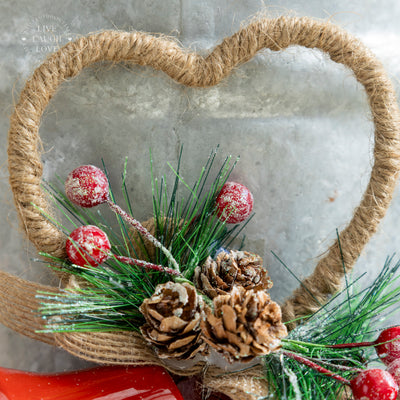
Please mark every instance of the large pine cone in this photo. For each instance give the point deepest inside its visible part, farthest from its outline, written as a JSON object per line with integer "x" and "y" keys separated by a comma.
{"x": 244, "y": 324}
{"x": 173, "y": 315}
{"x": 240, "y": 268}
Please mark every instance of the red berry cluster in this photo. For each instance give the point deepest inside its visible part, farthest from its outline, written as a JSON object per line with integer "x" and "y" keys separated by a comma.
{"x": 87, "y": 186}
{"x": 375, "y": 383}
{"x": 369, "y": 384}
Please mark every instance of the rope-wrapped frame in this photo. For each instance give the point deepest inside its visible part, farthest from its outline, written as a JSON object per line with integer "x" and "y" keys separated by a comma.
{"x": 191, "y": 69}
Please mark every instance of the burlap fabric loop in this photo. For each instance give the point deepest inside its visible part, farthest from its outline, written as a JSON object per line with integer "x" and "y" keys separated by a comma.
{"x": 191, "y": 69}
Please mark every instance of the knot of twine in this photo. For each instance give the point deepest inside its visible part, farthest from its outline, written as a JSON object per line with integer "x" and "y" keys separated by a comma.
{"x": 191, "y": 69}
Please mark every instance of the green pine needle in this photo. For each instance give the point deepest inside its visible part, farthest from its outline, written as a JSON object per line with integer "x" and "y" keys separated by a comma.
{"x": 190, "y": 227}
{"x": 186, "y": 223}
{"x": 111, "y": 294}
{"x": 352, "y": 316}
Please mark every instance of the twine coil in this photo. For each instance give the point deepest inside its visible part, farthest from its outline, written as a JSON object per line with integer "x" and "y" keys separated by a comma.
{"x": 17, "y": 299}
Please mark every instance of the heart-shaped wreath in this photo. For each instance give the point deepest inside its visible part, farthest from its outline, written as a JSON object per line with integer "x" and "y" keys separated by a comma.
{"x": 207, "y": 299}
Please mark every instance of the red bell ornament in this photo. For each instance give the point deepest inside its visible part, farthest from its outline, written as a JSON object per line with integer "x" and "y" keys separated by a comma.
{"x": 103, "y": 383}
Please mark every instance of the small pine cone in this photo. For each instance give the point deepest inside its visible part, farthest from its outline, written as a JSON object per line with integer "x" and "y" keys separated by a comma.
{"x": 240, "y": 268}
{"x": 244, "y": 324}
{"x": 173, "y": 315}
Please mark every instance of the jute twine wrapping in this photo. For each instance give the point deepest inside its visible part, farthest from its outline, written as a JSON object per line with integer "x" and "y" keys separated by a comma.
{"x": 17, "y": 297}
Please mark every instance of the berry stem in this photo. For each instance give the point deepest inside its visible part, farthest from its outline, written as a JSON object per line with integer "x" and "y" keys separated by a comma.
{"x": 351, "y": 345}
{"x": 315, "y": 367}
{"x": 336, "y": 346}
{"x": 143, "y": 231}
{"x": 337, "y": 366}
{"x": 145, "y": 264}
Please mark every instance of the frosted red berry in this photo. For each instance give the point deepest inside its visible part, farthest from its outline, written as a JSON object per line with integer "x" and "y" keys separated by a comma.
{"x": 374, "y": 384}
{"x": 234, "y": 203}
{"x": 390, "y": 351}
{"x": 88, "y": 245}
{"x": 394, "y": 370}
{"x": 87, "y": 186}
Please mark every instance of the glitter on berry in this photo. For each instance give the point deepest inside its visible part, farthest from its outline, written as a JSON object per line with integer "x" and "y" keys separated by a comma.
{"x": 88, "y": 245}
{"x": 234, "y": 203}
{"x": 87, "y": 186}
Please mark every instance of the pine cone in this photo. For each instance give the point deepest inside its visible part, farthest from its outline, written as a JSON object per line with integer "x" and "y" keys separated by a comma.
{"x": 240, "y": 268}
{"x": 244, "y": 324}
{"x": 173, "y": 316}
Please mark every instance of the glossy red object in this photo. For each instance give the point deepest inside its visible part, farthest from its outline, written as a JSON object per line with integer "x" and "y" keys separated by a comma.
{"x": 103, "y": 383}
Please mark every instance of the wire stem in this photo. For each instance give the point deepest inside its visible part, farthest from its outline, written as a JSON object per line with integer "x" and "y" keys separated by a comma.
{"x": 315, "y": 367}
{"x": 337, "y": 366}
{"x": 351, "y": 345}
{"x": 144, "y": 232}
{"x": 145, "y": 264}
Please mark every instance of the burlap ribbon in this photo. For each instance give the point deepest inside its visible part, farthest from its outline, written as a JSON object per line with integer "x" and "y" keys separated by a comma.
{"x": 17, "y": 297}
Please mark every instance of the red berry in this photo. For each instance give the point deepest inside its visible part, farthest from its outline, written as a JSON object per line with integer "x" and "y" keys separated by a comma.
{"x": 87, "y": 186}
{"x": 88, "y": 245}
{"x": 394, "y": 370}
{"x": 388, "y": 352}
{"x": 234, "y": 203}
{"x": 374, "y": 384}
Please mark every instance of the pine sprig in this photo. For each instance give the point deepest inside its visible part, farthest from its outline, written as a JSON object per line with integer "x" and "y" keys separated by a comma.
{"x": 109, "y": 295}
{"x": 351, "y": 316}
{"x": 190, "y": 227}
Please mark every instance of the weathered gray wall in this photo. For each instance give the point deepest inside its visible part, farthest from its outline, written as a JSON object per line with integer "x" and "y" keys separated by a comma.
{"x": 299, "y": 122}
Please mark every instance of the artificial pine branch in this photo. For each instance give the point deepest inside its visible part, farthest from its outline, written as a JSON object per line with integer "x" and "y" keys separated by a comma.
{"x": 351, "y": 316}
{"x": 114, "y": 291}
{"x": 188, "y": 231}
